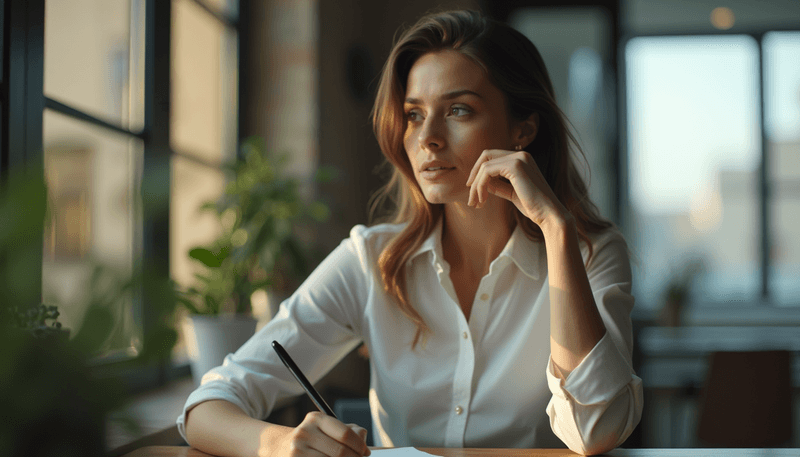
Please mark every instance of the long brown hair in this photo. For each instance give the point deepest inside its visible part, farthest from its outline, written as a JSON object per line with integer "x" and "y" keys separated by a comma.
{"x": 515, "y": 66}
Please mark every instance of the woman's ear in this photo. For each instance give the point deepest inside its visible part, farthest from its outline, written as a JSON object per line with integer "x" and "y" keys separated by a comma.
{"x": 528, "y": 130}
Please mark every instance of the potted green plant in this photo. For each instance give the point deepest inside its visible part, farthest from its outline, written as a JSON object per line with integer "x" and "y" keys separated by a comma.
{"x": 56, "y": 398}
{"x": 677, "y": 290}
{"x": 259, "y": 248}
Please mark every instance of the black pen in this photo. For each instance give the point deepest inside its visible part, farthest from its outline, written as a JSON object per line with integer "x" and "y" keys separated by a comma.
{"x": 301, "y": 378}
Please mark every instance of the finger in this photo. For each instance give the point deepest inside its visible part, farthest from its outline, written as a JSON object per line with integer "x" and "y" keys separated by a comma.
{"x": 486, "y": 155}
{"x": 362, "y": 432}
{"x": 329, "y": 447}
{"x": 308, "y": 440}
{"x": 305, "y": 449}
{"x": 502, "y": 189}
{"x": 343, "y": 434}
{"x": 489, "y": 171}
{"x": 474, "y": 180}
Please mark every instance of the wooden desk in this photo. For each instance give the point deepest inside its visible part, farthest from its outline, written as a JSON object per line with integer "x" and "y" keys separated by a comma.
{"x": 177, "y": 451}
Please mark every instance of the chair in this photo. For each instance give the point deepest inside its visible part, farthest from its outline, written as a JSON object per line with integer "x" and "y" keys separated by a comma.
{"x": 746, "y": 401}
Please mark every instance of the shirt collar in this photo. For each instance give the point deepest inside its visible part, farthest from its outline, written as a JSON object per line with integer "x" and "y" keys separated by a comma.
{"x": 433, "y": 244}
{"x": 523, "y": 251}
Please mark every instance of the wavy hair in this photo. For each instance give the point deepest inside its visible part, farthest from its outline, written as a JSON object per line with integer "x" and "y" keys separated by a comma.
{"x": 515, "y": 66}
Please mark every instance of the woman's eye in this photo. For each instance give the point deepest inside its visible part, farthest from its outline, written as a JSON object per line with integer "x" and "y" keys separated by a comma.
{"x": 459, "y": 111}
{"x": 412, "y": 116}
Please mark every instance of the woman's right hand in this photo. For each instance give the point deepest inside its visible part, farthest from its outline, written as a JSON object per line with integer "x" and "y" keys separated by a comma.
{"x": 322, "y": 435}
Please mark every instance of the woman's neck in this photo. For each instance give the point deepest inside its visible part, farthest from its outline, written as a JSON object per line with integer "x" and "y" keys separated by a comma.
{"x": 472, "y": 238}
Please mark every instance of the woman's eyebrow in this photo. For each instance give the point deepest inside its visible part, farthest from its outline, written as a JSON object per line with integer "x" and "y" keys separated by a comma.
{"x": 447, "y": 96}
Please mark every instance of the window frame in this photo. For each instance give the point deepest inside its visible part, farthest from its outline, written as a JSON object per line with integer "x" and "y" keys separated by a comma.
{"x": 764, "y": 187}
{"x": 22, "y": 106}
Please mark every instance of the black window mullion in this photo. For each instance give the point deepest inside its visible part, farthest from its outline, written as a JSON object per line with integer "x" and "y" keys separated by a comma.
{"x": 243, "y": 50}
{"x": 155, "y": 184}
{"x": 24, "y": 83}
{"x": 764, "y": 194}
{"x": 34, "y": 80}
{"x": 23, "y": 103}
{"x": 196, "y": 159}
{"x": 74, "y": 113}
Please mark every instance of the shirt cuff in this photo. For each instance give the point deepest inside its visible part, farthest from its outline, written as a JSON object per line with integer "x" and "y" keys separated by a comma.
{"x": 597, "y": 379}
{"x": 203, "y": 395}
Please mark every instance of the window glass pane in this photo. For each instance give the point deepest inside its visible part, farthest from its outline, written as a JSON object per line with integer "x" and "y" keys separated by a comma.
{"x": 91, "y": 180}
{"x": 782, "y": 125}
{"x": 92, "y": 57}
{"x": 192, "y": 185}
{"x": 203, "y": 84}
{"x": 694, "y": 152}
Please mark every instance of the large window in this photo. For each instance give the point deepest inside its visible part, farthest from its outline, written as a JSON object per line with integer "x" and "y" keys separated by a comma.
{"x": 782, "y": 129}
{"x": 696, "y": 148}
{"x": 203, "y": 124}
{"x": 135, "y": 90}
{"x": 93, "y": 65}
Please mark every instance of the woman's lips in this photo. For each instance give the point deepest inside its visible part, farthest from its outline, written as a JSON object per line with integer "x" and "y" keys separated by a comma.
{"x": 434, "y": 174}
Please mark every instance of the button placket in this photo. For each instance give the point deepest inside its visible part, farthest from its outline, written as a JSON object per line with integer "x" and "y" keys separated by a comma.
{"x": 480, "y": 312}
{"x": 462, "y": 389}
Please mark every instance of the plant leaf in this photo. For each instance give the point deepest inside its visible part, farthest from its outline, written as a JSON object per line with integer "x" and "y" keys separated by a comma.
{"x": 189, "y": 305}
{"x": 212, "y": 304}
{"x": 206, "y": 257}
{"x": 208, "y": 206}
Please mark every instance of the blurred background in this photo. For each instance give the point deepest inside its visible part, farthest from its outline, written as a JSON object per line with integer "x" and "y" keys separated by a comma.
{"x": 688, "y": 113}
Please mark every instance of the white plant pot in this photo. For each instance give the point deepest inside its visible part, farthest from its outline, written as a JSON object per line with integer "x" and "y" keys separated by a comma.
{"x": 210, "y": 338}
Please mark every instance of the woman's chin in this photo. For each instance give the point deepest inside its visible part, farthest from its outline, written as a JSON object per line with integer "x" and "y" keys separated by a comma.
{"x": 437, "y": 198}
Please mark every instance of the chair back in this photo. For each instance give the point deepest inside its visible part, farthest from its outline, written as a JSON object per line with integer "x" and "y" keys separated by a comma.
{"x": 355, "y": 411}
{"x": 746, "y": 401}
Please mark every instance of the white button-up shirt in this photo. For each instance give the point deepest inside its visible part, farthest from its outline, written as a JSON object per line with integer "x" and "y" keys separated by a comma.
{"x": 486, "y": 381}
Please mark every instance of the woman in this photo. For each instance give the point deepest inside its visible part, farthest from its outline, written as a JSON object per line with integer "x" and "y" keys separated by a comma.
{"x": 496, "y": 307}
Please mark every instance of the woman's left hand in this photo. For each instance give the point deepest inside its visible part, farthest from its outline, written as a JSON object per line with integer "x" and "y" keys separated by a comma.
{"x": 514, "y": 175}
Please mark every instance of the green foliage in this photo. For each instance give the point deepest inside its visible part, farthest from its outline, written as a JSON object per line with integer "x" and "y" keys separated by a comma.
{"x": 258, "y": 247}
{"x": 35, "y": 320}
{"x": 53, "y": 400}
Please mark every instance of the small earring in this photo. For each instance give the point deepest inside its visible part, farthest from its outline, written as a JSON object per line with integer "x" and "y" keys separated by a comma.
{"x": 518, "y": 147}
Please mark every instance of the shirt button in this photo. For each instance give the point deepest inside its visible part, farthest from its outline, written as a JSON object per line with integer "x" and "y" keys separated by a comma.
{"x": 459, "y": 410}
{"x": 465, "y": 335}
{"x": 484, "y": 297}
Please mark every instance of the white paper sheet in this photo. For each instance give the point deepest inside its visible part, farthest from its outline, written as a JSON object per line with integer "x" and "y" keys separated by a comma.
{"x": 399, "y": 452}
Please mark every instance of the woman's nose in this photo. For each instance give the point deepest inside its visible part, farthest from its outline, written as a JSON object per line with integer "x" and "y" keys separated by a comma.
{"x": 432, "y": 136}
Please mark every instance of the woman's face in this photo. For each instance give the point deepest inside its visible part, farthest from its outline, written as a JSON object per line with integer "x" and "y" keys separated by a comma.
{"x": 453, "y": 113}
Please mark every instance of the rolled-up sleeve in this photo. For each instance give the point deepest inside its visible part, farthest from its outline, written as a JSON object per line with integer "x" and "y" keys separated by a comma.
{"x": 600, "y": 403}
{"x": 318, "y": 325}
